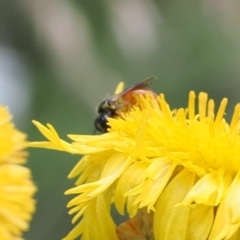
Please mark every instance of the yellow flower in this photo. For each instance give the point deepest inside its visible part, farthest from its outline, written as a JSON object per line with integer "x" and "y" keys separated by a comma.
{"x": 182, "y": 166}
{"x": 16, "y": 187}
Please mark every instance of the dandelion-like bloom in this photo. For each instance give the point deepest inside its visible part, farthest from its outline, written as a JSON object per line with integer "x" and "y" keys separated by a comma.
{"x": 180, "y": 169}
{"x": 16, "y": 187}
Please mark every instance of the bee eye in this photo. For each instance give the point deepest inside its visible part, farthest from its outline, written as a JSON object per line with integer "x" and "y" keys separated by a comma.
{"x": 101, "y": 123}
{"x": 101, "y": 120}
{"x": 108, "y": 103}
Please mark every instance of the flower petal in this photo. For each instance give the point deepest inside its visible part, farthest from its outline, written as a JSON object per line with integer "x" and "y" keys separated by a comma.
{"x": 157, "y": 176}
{"x": 209, "y": 189}
{"x": 171, "y": 222}
{"x": 227, "y": 218}
{"x": 131, "y": 177}
{"x": 200, "y": 222}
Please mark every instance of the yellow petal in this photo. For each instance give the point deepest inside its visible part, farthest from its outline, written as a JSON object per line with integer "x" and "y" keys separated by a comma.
{"x": 107, "y": 227}
{"x": 235, "y": 236}
{"x": 227, "y": 219}
{"x": 200, "y": 222}
{"x": 171, "y": 222}
{"x": 119, "y": 88}
{"x": 129, "y": 179}
{"x": 209, "y": 189}
{"x": 158, "y": 174}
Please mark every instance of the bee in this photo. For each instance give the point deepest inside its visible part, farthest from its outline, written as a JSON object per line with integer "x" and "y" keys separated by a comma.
{"x": 113, "y": 106}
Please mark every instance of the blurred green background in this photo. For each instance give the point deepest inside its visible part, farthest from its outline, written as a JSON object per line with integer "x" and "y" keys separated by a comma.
{"x": 58, "y": 59}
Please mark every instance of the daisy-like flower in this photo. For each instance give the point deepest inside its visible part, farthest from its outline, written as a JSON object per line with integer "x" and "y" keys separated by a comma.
{"x": 176, "y": 173}
{"x": 16, "y": 187}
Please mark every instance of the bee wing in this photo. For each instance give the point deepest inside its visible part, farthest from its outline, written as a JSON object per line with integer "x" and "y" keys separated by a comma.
{"x": 141, "y": 85}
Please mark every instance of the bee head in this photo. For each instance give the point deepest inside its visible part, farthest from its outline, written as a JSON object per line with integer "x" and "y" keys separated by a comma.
{"x": 100, "y": 122}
